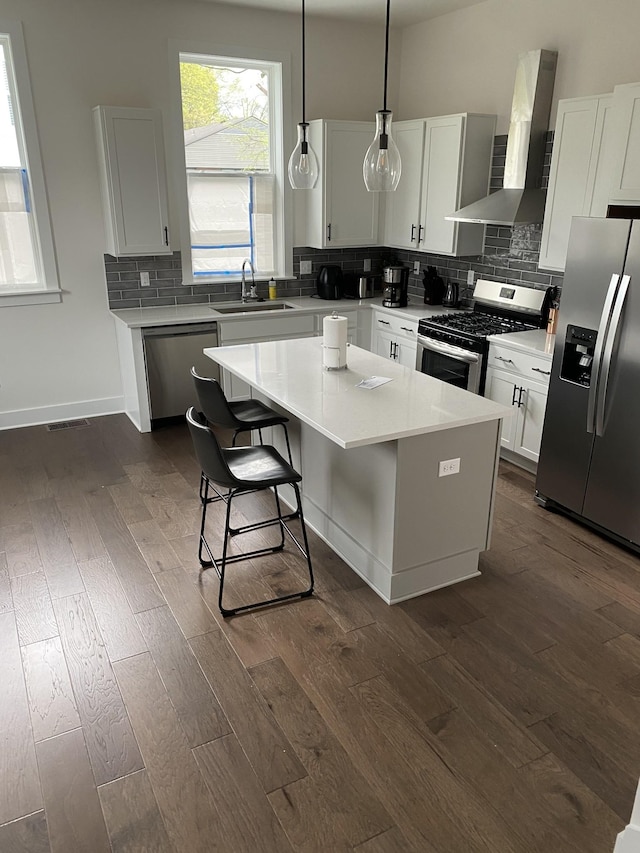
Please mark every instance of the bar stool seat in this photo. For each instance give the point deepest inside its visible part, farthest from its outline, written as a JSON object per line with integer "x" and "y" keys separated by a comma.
{"x": 241, "y": 470}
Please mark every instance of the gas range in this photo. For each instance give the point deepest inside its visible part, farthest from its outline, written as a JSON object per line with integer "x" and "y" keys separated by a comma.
{"x": 471, "y": 328}
{"x": 453, "y": 347}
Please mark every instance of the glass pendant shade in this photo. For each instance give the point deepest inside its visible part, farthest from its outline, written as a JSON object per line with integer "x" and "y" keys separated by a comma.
{"x": 382, "y": 165}
{"x": 303, "y": 163}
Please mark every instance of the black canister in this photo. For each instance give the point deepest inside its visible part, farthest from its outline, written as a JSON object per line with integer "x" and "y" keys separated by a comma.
{"x": 433, "y": 287}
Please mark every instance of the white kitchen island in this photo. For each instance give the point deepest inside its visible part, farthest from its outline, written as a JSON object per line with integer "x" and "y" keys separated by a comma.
{"x": 371, "y": 461}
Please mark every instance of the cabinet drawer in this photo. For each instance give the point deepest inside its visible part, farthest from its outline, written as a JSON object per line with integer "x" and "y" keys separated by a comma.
{"x": 266, "y": 328}
{"x": 523, "y": 364}
{"x": 399, "y": 326}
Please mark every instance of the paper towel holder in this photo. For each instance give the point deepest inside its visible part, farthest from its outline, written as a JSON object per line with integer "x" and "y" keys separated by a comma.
{"x": 334, "y": 354}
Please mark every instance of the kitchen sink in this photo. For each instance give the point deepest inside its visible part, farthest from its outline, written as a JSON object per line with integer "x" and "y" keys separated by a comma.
{"x": 242, "y": 307}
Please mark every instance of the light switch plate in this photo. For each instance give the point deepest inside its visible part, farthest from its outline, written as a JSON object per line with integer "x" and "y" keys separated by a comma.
{"x": 144, "y": 279}
{"x": 366, "y": 265}
{"x": 306, "y": 267}
{"x": 416, "y": 267}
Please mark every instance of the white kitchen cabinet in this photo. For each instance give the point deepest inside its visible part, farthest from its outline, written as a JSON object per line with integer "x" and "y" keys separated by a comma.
{"x": 394, "y": 338}
{"x": 581, "y": 172}
{"x": 446, "y": 164}
{"x": 625, "y": 181}
{"x": 520, "y": 380}
{"x": 257, "y": 329}
{"x": 133, "y": 182}
{"x": 339, "y": 209}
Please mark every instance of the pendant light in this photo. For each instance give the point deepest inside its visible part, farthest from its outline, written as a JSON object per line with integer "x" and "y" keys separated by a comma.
{"x": 382, "y": 166}
{"x": 303, "y": 163}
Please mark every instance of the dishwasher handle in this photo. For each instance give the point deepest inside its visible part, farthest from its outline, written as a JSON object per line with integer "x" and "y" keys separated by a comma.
{"x": 173, "y": 331}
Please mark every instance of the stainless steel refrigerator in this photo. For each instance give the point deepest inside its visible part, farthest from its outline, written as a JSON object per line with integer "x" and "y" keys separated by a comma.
{"x": 589, "y": 463}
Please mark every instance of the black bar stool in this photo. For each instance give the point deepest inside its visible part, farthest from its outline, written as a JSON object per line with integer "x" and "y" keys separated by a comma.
{"x": 241, "y": 470}
{"x": 237, "y": 415}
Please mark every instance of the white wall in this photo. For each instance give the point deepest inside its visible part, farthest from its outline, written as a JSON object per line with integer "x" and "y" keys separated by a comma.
{"x": 465, "y": 61}
{"x": 60, "y": 361}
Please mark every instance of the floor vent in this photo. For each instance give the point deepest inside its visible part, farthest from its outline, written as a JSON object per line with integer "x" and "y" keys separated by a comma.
{"x": 81, "y": 422}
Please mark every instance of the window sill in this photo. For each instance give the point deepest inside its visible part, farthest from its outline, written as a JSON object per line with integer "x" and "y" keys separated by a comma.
{"x": 29, "y": 297}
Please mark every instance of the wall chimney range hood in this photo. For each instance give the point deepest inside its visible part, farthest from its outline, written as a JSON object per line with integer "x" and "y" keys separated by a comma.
{"x": 521, "y": 200}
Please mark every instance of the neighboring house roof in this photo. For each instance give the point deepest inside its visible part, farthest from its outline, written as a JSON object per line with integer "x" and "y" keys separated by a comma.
{"x": 229, "y": 145}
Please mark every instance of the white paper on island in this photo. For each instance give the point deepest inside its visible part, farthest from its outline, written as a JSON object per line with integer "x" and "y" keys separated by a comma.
{"x": 373, "y": 382}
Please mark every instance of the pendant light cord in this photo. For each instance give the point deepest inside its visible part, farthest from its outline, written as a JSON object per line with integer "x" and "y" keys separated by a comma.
{"x": 386, "y": 52}
{"x": 304, "y": 70}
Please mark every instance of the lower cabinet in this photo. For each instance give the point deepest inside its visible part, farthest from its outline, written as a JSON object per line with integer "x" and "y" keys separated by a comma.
{"x": 394, "y": 338}
{"x": 520, "y": 380}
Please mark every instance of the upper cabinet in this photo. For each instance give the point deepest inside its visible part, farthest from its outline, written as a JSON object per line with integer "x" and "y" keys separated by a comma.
{"x": 133, "y": 182}
{"x": 625, "y": 179}
{"x": 339, "y": 209}
{"x": 446, "y": 164}
{"x": 581, "y": 172}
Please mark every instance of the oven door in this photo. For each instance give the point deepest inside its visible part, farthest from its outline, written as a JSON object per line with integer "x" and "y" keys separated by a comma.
{"x": 450, "y": 364}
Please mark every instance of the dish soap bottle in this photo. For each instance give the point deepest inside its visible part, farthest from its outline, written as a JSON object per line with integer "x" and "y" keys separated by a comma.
{"x": 272, "y": 288}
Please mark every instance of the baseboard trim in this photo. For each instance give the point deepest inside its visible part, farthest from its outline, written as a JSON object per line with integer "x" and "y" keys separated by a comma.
{"x": 63, "y": 412}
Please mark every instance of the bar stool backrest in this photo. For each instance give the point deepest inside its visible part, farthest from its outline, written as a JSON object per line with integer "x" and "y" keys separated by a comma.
{"x": 213, "y": 403}
{"x": 208, "y": 451}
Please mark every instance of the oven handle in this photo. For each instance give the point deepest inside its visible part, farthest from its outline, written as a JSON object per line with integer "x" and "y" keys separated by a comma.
{"x": 450, "y": 351}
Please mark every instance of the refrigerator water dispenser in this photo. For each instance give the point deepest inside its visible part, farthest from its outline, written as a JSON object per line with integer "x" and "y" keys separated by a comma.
{"x": 577, "y": 357}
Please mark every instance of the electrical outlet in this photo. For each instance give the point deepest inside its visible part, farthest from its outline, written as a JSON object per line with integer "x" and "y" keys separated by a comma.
{"x": 470, "y": 275}
{"x": 144, "y": 279}
{"x": 416, "y": 267}
{"x": 306, "y": 267}
{"x": 366, "y": 265}
{"x": 449, "y": 466}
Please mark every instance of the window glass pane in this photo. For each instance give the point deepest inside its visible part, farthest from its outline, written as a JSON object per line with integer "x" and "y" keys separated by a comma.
{"x": 231, "y": 218}
{"x": 19, "y": 252}
{"x": 228, "y": 156}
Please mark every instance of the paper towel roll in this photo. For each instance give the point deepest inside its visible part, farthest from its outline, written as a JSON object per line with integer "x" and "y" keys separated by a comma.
{"x": 334, "y": 342}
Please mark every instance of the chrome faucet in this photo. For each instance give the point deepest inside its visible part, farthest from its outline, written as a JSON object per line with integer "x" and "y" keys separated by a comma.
{"x": 248, "y": 297}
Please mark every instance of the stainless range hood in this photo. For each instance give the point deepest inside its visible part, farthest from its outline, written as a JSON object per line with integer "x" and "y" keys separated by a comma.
{"x": 521, "y": 200}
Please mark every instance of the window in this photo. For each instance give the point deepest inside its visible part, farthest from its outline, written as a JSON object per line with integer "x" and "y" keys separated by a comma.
{"x": 232, "y": 120}
{"x": 27, "y": 266}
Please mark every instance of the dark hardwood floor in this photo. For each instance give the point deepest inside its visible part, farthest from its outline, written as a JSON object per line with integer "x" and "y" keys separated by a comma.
{"x": 498, "y": 715}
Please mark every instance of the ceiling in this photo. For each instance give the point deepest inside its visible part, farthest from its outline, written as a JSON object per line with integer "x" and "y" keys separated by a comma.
{"x": 403, "y": 12}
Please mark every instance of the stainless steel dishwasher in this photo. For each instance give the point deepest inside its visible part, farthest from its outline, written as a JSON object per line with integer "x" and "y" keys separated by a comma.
{"x": 170, "y": 353}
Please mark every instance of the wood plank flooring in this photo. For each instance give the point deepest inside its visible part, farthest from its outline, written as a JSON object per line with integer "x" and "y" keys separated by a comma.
{"x": 496, "y": 716}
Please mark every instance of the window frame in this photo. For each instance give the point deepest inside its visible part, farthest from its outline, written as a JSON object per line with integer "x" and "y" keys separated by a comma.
{"x": 279, "y": 105}
{"x": 49, "y": 291}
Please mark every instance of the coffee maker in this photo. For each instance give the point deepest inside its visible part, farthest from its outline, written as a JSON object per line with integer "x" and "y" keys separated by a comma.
{"x": 396, "y": 282}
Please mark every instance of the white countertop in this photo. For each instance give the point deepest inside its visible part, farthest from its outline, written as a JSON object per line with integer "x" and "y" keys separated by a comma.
{"x": 536, "y": 341}
{"x": 170, "y": 315}
{"x": 291, "y": 374}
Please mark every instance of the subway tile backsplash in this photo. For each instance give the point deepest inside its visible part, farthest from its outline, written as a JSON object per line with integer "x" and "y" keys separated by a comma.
{"x": 510, "y": 255}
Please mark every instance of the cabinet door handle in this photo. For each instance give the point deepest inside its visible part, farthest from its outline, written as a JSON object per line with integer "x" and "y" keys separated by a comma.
{"x": 506, "y": 360}
{"x": 329, "y": 231}
{"x": 166, "y": 236}
{"x": 539, "y": 370}
{"x": 395, "y": 351}
{"x": 420, "y": 234}
{"x": 520, "y": 398}
{"x": 513, "y": 396}
{"x": 384, "y": 322}
{"x": 413, "y": 233}
{"x": 390, "y": 349}
{"x": 407, "y": 329}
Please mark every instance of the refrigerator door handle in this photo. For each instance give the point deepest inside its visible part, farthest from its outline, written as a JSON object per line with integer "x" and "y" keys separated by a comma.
{"x": 605, "y": 319}
{"x": 608, "y": 352}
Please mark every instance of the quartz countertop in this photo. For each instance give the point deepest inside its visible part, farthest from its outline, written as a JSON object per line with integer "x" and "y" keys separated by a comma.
{"x": 170, "y": 315}
{"x": 290, "y": 373}
{"x": 536, "y": 341}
